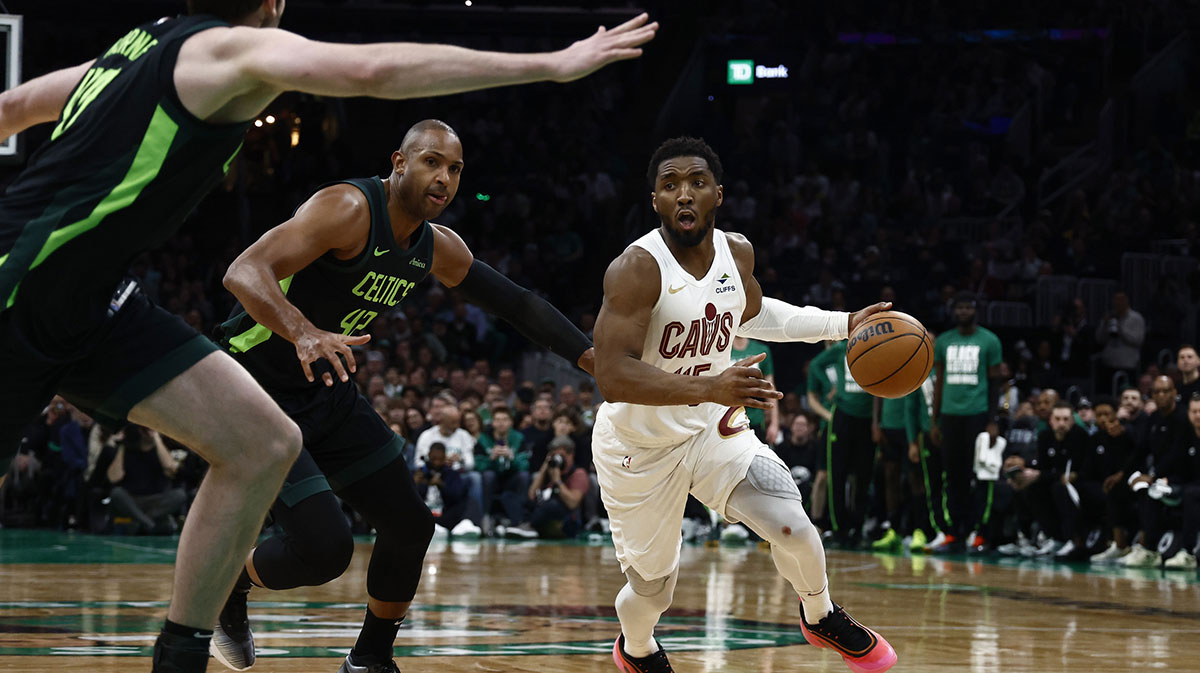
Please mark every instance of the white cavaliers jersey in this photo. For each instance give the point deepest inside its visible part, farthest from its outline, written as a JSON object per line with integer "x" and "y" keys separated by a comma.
{"x": 691, "y": 332}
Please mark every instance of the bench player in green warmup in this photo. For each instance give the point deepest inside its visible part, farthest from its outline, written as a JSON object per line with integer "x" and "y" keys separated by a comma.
{"x": 143, "y": 133}
{"x": 849, "y": 453}
{"x": 964, "y": 359}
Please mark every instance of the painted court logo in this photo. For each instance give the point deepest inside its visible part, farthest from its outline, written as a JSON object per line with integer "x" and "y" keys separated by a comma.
{"x": 627, "y": 462}
{"x": 326, "y": 630}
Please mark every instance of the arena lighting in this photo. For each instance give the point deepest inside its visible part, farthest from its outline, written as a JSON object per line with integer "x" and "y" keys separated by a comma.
{"x": 258, "y": 123}
{"x": 270, "y": 119}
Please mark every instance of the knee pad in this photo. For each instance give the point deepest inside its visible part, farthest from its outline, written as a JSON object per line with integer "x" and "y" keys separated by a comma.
{"x": 771, "y": 478}
{"x": 649, "y": 588}
{"x": 327, "y": 557}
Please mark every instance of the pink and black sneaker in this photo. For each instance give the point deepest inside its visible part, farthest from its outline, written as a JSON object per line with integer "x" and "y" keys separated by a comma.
{"x": 863, "y": 650}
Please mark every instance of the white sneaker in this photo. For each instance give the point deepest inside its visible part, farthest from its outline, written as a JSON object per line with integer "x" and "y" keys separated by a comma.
{"x": 1182, "y": 560}
{"x": 440, "y": 531}
{"x": 1140, "y": 557}
{"x": 1048, "y": 547}
{"x": 1110, "y": 555}
{"x": 936, "y": 542}
{"x": 1065, "y": 550}
{"x": 735, "y": 533}
{"x": 466, "y": 529}
{"x": 525, "y": 531}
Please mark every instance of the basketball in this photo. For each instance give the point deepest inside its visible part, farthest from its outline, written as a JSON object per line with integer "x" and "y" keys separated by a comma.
{"x": 890, "y": 354}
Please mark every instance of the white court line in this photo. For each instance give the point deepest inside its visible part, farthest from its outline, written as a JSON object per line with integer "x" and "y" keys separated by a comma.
{"x": 138, "y": 547}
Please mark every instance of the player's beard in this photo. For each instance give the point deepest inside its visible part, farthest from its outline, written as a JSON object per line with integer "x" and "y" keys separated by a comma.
{"x": 690, "y": 239}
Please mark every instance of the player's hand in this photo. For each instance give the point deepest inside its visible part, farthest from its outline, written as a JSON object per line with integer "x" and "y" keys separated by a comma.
{"x": 935, "y": 434}
{"x": 1112, "y": 480}
{"x": 914, "y": 453}
{"x": 319, "y": 344}
{"x": 773, "y": 433}
{"x": 587, "y": 361}
{"x": 603, "y": 47}
{"x": 859, "y": 316}
{"x": 743, "y": 385}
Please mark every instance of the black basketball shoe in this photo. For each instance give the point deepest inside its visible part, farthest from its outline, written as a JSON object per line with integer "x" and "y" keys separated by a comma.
{"x": 349, "y": 666}
{"x": 655, "y": 663}
{"x": 232, "y": 642}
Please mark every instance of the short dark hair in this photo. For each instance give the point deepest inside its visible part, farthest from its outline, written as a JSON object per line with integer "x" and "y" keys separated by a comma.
{"x": 684, "y": 147}
{"x": 502, "y": 410}
{"x": 1062, "y": 404}
{"x": 965, "y": 297}
{"x": 228, "y": 10}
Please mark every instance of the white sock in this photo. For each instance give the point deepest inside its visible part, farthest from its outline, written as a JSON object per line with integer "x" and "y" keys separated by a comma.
{"x": 817, "y": 606}
{"x": 639, "y": 614}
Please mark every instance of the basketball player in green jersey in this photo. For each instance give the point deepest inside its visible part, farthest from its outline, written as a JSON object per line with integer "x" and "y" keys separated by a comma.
{"x": 142, "y": 133}
{"x": 849, "y": 453}
{"x": 307, "y": 289}
{"x": 964, "y": 359}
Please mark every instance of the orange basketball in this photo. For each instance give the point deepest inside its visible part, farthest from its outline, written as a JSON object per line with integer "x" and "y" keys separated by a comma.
{"x": 890, "y": 354}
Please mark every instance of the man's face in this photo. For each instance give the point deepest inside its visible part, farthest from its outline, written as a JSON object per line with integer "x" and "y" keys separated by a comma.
{"x": 801, "y": 430}
{"x": 686, "y": 197}
{"x": 1187, "y": 360}
{"x": 964, "y": 313}
{"x": 1061, "y": 420}
{"x": 450, "y": 417}
{"x": 501, "y": 424}
{"x": 563, "y": 426}
{"x": 1105, "y": 414}
{"x": 541, "y": 410}
{"x": 507, "y": 380}
{"x": 1045, "y": 403}
{"x": 1163, "y": 391}
{"x": 1132, "y": 401}
{"x": 430, "y": 167}
{"x": 1194, "y": 415}
{"x": 494, "y": 394}
{"x": 1087, "y": 415}
{"x": 1120, "y": 303}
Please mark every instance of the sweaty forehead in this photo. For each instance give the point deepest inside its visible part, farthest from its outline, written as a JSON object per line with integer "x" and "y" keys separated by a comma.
{"x": 683, "y": 166}
{"x": 439, "y": 141}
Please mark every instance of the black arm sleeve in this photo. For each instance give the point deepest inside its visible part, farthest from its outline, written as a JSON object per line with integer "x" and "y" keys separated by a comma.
{"x": 540, "y": 322}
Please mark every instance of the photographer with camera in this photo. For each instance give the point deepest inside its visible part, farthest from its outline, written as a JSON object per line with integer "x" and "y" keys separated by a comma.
{"x": 505, "y": 468}
{"x": 557, "y": 492}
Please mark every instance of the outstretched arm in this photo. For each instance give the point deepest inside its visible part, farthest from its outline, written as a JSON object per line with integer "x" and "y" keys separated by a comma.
{"x": 480, "y": 284}
{"x": 631, "y": 287}
{"x": 768, "y": 319}
{"x": 38, "y": 101}
{"x": 220, "y": 65}
{"x": 336, "y": 218}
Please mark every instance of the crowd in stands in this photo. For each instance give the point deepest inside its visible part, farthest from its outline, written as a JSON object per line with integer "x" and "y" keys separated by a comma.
{"x": 851, "y": 186}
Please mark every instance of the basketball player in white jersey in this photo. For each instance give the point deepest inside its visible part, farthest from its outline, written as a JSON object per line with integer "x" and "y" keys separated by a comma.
{"x": 675, "y": 421}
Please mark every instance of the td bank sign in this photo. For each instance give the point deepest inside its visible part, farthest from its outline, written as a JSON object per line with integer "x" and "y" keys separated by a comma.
{"x": 745, "y": 72}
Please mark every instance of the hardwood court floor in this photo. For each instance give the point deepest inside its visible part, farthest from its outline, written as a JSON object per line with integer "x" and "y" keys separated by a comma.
{"x": 83, "y": 603}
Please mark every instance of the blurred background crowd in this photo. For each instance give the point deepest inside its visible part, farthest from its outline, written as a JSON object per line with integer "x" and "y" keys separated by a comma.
{"x": 1040, "y": 159}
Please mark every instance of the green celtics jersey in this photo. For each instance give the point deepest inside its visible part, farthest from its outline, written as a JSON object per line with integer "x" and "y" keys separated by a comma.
{"x": 848, "y": 396}
{"x": 125, "y": 164}
{"x": 343, "y": 296}
{"x": 756, "y": 417}
{"x": 967, "y": 358}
